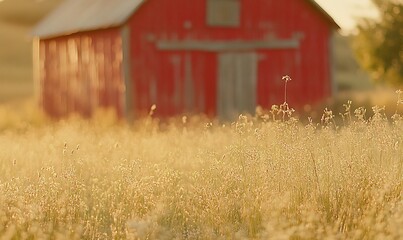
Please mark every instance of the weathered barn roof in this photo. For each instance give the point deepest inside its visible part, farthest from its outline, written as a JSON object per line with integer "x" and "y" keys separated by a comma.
{"x": 74, "y": 16}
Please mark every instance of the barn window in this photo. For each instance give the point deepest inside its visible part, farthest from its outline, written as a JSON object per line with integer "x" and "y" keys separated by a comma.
{"x": 225, "y": 13}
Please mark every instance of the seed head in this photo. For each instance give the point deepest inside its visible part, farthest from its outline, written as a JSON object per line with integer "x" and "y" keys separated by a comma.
{"x": 152, "y": 109}
{"x": 286, "y": 78}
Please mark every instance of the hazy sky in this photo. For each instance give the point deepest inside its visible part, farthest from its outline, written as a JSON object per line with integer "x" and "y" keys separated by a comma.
{"x": 345, "y": 12}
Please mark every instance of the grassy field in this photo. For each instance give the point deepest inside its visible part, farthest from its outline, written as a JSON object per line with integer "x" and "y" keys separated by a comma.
{"x": 256, "y": 178}
{"x": 260, "y": 177}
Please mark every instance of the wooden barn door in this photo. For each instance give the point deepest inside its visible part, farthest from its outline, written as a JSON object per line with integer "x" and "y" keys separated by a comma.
{"x": 237, "y": 77}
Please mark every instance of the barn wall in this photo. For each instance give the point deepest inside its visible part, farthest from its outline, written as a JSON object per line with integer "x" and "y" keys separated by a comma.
{"x": 160, "y": 76}
{"x": 81, "y": 72}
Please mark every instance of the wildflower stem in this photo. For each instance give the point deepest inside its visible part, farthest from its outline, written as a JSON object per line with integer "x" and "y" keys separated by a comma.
{"x": 285, "y": 91}
{"x": 316, "y": 173}
{"x": 286, "y": 78}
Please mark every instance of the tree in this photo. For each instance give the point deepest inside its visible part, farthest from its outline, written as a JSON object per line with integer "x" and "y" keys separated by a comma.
{"x": 379, "y": 42}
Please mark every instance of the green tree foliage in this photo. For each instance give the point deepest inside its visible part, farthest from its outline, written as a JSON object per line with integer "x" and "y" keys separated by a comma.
{"x": 379, "y": 43}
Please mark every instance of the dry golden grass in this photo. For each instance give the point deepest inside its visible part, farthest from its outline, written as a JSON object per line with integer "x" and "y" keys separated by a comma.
{"x": 253, "y": 179}
{"x": 190, "y": 179}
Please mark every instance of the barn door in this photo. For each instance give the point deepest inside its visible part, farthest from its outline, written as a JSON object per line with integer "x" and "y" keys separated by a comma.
{"x": 237, "y": 77}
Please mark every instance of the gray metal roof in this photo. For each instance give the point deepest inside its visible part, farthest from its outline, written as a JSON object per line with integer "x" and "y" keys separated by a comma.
{"x": 73, "y": 16}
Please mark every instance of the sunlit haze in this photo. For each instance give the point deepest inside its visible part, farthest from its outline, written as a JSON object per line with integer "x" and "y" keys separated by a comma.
{"x": 346, "y": 12}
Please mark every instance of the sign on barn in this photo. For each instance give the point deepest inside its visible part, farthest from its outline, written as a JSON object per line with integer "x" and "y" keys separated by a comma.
{"x": 218, "y": 57}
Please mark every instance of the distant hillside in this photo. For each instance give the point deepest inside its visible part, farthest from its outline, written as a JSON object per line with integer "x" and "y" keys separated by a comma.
{"x": 25, "y": 12}
{"x": 17, "y": 17}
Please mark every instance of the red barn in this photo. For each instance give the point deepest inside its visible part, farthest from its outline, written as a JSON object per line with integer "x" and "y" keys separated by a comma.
{"x": 218, "y": 57}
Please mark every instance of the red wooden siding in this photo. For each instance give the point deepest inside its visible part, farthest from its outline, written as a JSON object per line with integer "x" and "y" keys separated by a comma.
{"x": 81, "y": 72}
{"x": 167, "y": 53}
{"x": 155, "y": 70}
